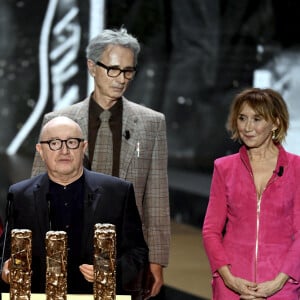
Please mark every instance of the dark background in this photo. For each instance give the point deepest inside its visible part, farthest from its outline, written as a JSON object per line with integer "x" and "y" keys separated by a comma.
{"x": 196, "y": 55}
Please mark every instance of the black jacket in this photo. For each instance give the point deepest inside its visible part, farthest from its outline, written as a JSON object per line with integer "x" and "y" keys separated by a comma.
{"x": 107, "y": 200}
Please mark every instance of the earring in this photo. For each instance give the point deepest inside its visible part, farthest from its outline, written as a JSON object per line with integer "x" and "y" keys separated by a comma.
{"x": 273, "y": 134}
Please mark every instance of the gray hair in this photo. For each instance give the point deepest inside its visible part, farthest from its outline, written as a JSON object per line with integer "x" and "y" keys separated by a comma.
{"x": 107, "y": 37}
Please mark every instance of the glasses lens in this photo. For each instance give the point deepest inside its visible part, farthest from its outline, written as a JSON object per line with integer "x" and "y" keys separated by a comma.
{"x": 113, "y": 72}
{"x": 55, "y": 144}
{"x": 129, "y": 74}
{"x": 72, "y": 143}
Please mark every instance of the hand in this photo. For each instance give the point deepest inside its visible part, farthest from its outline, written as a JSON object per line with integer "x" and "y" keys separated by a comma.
{"x": 271, "y": 287}
{"x": 5, "y": 271}
{"x": 246, "y": 289}
{"x": 251, "y": 297}
{"x": 87, "y": 271}
{"x": 157, "y": 272}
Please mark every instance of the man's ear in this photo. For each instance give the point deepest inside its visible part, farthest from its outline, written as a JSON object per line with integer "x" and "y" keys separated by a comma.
{"x": 91, "y": 67}
{"x": 39, "y": 149}
{"x": 85, "y": 145}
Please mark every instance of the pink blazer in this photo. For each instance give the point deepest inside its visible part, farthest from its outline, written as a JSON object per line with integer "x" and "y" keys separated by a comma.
{"x": 256, "y": 245}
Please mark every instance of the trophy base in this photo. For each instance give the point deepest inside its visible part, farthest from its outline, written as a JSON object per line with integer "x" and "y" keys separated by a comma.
{"x": 5, "y": 296}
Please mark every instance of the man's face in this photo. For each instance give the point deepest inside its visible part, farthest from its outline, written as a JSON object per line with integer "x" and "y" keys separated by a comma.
{"x": 64, "y": 164}
{"x": 109, "y": 89}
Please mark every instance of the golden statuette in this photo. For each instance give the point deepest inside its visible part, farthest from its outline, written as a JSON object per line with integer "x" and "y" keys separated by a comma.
{"x": 104, "y": 262}
{"x": 20, "y": 268}
{"x": 56, "y": 258}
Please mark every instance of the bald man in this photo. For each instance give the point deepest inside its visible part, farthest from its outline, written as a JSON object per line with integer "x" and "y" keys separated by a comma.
{"x": 78, "y": 199}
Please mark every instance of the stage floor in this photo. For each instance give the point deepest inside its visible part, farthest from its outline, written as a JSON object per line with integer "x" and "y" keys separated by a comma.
{"x": 188, "y": 270}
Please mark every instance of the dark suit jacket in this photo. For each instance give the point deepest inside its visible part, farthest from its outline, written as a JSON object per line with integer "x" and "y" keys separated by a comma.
{"x": 107, "y": 200}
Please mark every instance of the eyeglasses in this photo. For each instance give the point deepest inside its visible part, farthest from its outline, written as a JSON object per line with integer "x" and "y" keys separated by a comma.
{"x": 115, "y": 71}
{"x": 57, "y": 144}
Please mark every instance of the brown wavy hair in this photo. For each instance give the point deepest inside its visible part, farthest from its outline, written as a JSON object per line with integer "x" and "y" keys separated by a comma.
{"x": 265, "y": 102}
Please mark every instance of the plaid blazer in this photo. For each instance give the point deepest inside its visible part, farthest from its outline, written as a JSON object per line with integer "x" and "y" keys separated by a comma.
{"x": 143, "y": 161}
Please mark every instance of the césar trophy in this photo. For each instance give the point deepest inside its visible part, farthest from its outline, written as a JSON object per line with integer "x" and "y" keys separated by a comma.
{"x": 104, "y": 262}
{"x": 56, "y": 272}
{"x": 20, "y": 268}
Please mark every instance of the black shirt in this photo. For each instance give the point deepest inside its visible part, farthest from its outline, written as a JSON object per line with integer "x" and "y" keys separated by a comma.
{"x": 66, "y": 214}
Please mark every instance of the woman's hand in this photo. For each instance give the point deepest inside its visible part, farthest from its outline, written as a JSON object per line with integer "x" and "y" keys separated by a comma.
{"x": 246, "y": 289}
{"x": 271, "y": 287}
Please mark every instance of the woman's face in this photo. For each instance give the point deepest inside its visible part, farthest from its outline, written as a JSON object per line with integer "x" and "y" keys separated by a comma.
{"x": 253, "y": 129}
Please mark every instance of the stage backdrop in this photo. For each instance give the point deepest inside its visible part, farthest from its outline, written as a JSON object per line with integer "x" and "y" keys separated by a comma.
{"x": 196, "y": 55}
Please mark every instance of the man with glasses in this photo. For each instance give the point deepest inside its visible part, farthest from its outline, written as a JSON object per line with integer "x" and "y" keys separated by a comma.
{"x": 70, "y": 198}
{"x": 139, "y": 147}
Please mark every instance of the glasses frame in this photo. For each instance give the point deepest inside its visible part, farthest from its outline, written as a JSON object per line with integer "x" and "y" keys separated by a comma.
{"x": 131, "y": 71}
{"x": 79, "y": 140}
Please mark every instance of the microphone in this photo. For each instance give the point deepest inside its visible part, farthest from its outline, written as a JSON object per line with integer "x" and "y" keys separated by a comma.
{"x": 10, "y": 198}
{"x": 280, "y": 172}
{"x": 48, "y": 199}
{"x": 127, "y": 134}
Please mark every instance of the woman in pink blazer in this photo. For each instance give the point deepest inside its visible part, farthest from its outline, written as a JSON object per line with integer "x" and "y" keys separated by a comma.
{"x": 251, "y": 231}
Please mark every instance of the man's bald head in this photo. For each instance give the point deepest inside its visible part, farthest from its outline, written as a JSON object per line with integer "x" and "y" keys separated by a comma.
{"x": 60, "y": 122}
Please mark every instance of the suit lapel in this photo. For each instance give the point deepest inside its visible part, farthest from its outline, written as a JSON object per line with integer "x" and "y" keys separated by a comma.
{"x": 128, "y": 146}
{"x": 93, "y": 194}
{"x": 82, "y": 116}
{"x": 40, "y": 191}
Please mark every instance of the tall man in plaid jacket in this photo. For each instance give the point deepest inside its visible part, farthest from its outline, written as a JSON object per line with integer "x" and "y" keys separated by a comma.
{"x": 138, "y": 134}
